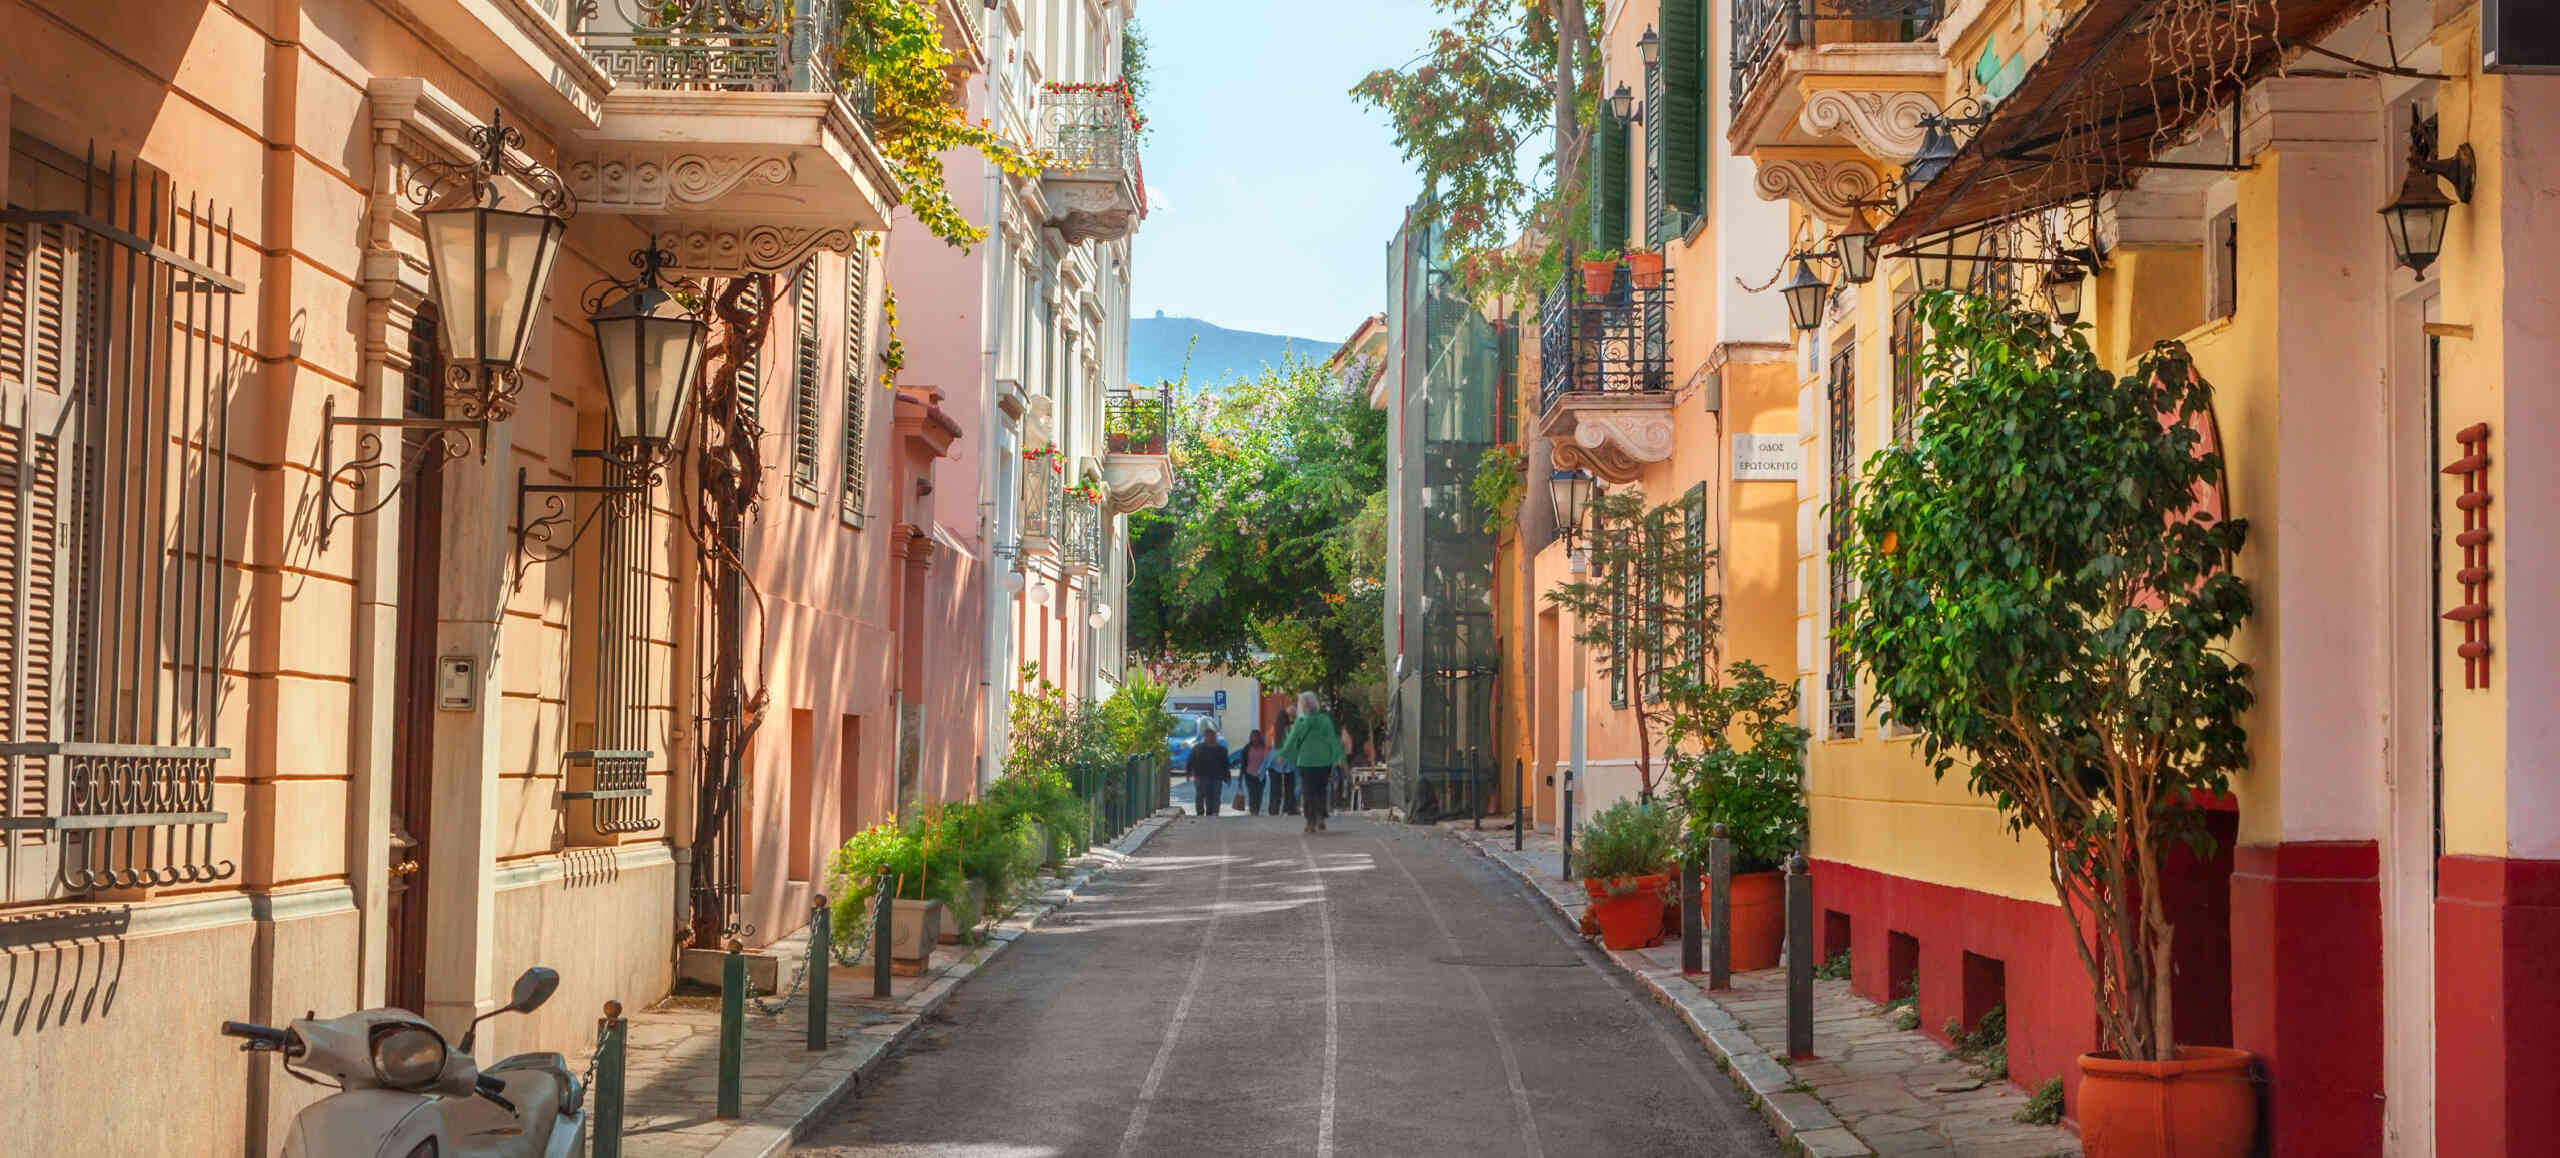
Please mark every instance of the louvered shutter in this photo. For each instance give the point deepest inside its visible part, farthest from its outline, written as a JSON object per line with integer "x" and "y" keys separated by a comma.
{"x": 1617, "y": 580}
{"x": 857, "y": 388}
{"x": 1657, "y": 216}
{"x": 1696, "y": 616}
{"x": 37, "y": 438}
{"x": 1613, "y": 180}
{"x": 751, "y": 366}
{"x": 1676, "y": 113}
{"x": 804, "y": 383}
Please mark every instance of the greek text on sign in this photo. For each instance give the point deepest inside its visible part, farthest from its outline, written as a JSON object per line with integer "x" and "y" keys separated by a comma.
{"x": 1767, "y": 458}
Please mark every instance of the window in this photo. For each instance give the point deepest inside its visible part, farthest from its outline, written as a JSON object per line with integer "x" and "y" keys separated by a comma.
{"x": 804, "y": 382}
{"x": 857, "y": 388}
{"x": 1905, "y": 350}
{"x": 114, "y": 508}
{"x": 1652, "y": 624}
{"x": 1695, "y": 613}
{"x": 2222, "y": 265}
{"x": 1617, "y": 578}
{"x": 1841, "y": 717}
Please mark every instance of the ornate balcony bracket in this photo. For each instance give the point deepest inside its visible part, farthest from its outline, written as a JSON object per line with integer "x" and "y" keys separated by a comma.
{"x": 1831, "y": 190}
{"x": 1613, "y": 436}
{"x": 1883, "y": 125}
{"x": 1137, "y": 481}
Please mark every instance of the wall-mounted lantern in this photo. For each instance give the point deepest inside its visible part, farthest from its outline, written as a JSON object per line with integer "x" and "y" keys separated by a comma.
{"x": 1568, "y": 497}
{"x": 1806, "y": 293}
{"x": 2064, "y": 287}
{"x": 1855, "y": 251}
{"x": 2415, "y": 220}
{"x": 1649, "y": 47}
{"x": 1622, "y": 105}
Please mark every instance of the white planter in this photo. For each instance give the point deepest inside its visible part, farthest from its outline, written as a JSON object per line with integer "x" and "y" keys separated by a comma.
{"x": 914, "y": 927}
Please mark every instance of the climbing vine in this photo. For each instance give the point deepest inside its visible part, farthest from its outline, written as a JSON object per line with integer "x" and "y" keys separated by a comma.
{"x": 894, "y": 48}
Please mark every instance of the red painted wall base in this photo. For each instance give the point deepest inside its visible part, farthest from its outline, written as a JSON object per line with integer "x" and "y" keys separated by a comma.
{"x": 2497, "y": 1006}
{"x": 2306, "y": 990}
{"x": 2051, "y": 1018}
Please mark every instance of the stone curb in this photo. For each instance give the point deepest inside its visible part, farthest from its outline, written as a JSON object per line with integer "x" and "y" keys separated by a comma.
{"x": 774, "y": 1134}
{"x": 1803, "y": 1123}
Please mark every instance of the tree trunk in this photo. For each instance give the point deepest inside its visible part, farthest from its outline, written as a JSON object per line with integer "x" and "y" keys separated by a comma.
{"x": 1572, "y": 34}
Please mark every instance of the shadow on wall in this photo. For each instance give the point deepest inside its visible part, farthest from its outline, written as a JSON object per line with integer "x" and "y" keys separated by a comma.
{"x": 61, "y": 968}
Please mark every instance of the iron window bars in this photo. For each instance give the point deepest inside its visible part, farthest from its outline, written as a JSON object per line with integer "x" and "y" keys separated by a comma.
{"x": 1763, "y": 28}
{"x": 724, "y": 46}
{"x": 1904, "y": 348}
{"x": 622, "y": 611}
{"x": 115, "y": 372}
{"x": 1613, "y": 343}
{"x": 1133, "y": 422}
{"x": 1841, "y": 683}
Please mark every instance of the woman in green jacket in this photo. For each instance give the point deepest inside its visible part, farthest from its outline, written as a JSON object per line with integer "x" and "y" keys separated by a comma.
{"x": 1313, "y": 746}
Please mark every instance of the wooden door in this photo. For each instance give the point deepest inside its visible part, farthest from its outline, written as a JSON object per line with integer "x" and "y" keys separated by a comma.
{"x": 413, "y": 682}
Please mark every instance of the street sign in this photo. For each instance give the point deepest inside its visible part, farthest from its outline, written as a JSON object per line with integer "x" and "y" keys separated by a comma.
{"x": 1222, "y": 699}
{"x": 1767, "y": 458}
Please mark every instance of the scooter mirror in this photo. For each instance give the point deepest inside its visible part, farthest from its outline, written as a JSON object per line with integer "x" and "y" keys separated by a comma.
{"x": 534, "y": 988}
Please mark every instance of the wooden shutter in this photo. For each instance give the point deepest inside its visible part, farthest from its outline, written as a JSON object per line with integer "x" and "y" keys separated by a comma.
{"x": 857, "y": 387}
{"x": 1613, "y": 184}
{"x": 751, "y": 367}
{"x": 38, "y": 433}
{"x": 804, "y": 382}
{"x": 1677, "y": 113}
{"x": 1697, "y": 620}
{"x": 1657, "y": 213}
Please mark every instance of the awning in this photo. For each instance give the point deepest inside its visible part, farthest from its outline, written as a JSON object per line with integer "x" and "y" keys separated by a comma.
{"x": 2123, "y": 78}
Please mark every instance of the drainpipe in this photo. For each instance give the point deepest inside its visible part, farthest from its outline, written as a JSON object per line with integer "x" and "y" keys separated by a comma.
{"x": 993, "y": 688}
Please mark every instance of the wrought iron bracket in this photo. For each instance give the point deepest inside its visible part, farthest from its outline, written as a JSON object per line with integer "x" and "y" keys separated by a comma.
{"x": 540, "y": 539}
{"x": 449, "y": 437}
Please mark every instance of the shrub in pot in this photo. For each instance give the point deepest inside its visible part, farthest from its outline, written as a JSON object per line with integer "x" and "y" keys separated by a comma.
{"x": 2044, "y": 590}
{"x": 1737, "y": 761}
{"x": 1623, "y": 853}
{"x": 923, "y": 864}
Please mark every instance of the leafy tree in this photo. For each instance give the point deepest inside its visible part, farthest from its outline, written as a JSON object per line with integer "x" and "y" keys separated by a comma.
{"x": 2040, "y": 593}
{"x": 1468, "y": 112}
{"x": 1755, "y": 789}
{"x": 1267, "y": 556}
{"x": 894, "y": 47}
{"x": 1647, "y": 609}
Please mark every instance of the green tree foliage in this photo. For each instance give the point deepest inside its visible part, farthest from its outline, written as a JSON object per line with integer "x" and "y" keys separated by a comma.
{"x": 2039, "y": 592}
{"x": 1133, "y": 69}
{"x": 1273, "y": 540}
{"x": 1648, "y": 612}
{"x": 1469, "y": 112}
{"x": 1501, "y": 478}
{"x": 895, "y": 48}
{"x": 1737, "y": 759}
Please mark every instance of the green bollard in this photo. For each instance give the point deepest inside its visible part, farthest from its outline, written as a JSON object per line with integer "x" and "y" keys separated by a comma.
{"x": 884, "y": 909}
{"x": 821, "y": 950}
{"x": 612, "y": 1034}
{"x": 733, "y": 1027}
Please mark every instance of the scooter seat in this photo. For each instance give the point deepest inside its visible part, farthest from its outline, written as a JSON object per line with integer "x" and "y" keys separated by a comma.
{"x": 536, "y": 1084}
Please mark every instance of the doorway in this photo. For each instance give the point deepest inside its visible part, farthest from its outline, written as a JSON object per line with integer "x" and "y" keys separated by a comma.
{"x": 413, "y": 677}
{"x": 2410, "y": 844}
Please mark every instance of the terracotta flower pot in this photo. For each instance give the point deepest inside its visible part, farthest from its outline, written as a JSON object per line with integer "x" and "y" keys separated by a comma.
{"x": 1645, "y": 270}
{"x": 2198, "y": 1106}
{"x": 1597, "y": 276}
{"x": 1759, "y": 917}
{"x": 1628, "y": 909}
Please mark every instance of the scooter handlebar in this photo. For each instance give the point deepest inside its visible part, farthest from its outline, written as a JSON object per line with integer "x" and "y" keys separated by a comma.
{"x": 260, "y": 1036}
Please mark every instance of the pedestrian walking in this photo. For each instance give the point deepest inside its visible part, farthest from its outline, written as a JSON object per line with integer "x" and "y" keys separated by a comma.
{"x": 1208, "y": 768}
{"x": 1256, "y": 750}
{"x": 1280, "y": 774}
{"x": 1313, "y": 747}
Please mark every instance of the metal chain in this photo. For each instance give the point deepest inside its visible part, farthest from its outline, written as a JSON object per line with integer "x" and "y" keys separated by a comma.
{"x": 604, "y": 1029}
{"x": 847, "y": 950}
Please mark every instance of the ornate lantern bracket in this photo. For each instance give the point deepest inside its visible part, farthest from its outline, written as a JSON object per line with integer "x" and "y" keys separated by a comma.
{"x": 448, "y": 437}
{"x": 554, "y": 534}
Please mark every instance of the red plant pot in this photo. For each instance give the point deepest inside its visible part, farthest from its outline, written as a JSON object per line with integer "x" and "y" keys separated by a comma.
{"x": 1644, "y": 270}
{"x": 1627, "y": 909}
{"x": 1759, "y": 928}
{"x": 2198, "y": 1106}
{"x": 1597, "y": 276}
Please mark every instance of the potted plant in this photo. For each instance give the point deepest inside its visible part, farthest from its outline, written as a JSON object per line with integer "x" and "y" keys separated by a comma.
{"x": 1644, "y": 268}
{"x": 2041, "y": 593}
{"x": 1746, "y": 774}
{"x": 1599, "y": 272}
{"x": 1625, "y": 856}
{"x": 923, "y": 865}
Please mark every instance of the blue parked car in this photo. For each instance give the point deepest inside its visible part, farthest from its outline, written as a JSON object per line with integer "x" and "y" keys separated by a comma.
{"x": 1186, "y": 732}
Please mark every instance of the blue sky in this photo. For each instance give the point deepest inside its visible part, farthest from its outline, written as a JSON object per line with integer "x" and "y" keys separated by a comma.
{"x": 1282, "y": 193}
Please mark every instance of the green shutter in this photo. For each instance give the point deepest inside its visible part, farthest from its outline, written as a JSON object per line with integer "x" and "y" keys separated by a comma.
{"x": 1676, "y": 117}
{"x": 1613, "y": 184}
{"x": 1595, "y": 161}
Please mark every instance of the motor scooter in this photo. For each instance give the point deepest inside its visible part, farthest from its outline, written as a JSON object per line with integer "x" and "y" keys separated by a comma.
{"x": 402, "y": 1093}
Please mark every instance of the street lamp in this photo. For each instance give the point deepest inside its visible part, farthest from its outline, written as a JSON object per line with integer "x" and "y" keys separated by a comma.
{"x": 1805, "y": 293}
{"x": 651, "y": 347}
{"x": 1856, "y": 253}
{"x": 1937, "y": 151}
{"x": 1649, "y": 46}
{"x": 489, "y": 266}
{"x": 1622, "y": 104}
{"x": 2064, "y": 287}
{"x": 1568, "y": 496}
{"x": 2415, "y": 220}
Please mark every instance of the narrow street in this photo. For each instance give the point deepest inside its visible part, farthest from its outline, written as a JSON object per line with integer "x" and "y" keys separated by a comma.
{"x": 1245, "y": 988}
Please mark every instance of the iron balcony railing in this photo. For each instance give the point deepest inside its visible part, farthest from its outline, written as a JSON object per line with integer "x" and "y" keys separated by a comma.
{"x": 1080, "y": 539}
{"x": 1090, "y": 127}
{"x": 1613, "y": 343}
{"x": 725, "y": 46}
{"x": 1764, "y": 28}
{"x": 1044, "y": 500}
{"x": 1133, "y": 422}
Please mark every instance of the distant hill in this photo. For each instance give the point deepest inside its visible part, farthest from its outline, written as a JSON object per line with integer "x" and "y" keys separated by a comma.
{"x": 1158, "y": 345}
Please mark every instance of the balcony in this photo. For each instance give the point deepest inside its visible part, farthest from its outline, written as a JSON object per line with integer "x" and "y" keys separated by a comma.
{"x": 1604, "y": 374}
{"x": 1810, "y": 72}
{"x": 1135, "y": 465}
{"x": 1093, "y": 186}
{"x": 1080, "y": 535}
{"x": 730, "y": 128}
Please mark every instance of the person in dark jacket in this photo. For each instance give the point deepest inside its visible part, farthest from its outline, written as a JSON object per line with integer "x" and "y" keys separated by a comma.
{"x": 1208, "y": 769}
{"x": 1255, "y": 750}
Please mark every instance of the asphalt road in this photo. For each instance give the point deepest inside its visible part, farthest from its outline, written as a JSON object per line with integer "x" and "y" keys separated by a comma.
{"x": 1245, "y": 988}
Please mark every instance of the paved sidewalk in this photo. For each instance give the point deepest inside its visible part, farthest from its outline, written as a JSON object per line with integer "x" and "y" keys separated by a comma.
{"x": 673, "y": 1076}
{"x": 1871, "y": 1089}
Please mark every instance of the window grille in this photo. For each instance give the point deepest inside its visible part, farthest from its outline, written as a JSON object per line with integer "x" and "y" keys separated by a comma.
{"x": 804, "y": 382}
{"x": 1905, "y": 350}
{"x": 115, "y": 368}
{"x": 1695, "y": 612}
{"x": 1617, "y": 580}
{"x": 1842, "y": 682}
{"x": 857, "y": 390}
{"x": 1651, "y": 620}
{"x": 621, "y": 614}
